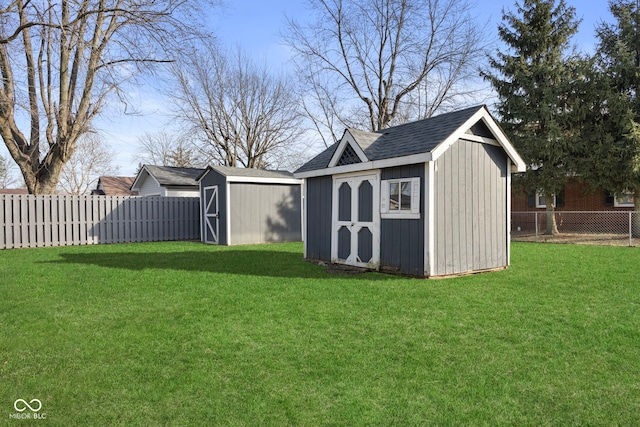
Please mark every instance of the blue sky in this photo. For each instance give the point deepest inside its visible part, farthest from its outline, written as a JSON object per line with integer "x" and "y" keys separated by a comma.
{"x": 255, "y": 25}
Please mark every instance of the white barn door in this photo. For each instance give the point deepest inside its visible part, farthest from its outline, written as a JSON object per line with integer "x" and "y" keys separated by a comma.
{"x": 211, "y": 215}
{"x": 355, "y": 234}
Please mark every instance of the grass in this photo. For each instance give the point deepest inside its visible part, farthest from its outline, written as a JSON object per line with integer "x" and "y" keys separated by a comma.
{"x": 191, "y": 334}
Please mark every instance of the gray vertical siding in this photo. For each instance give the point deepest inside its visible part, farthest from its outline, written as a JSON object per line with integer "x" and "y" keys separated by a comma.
{"x": 318, "y": 218}
{"x": 470, "y": 209}
{"x": 402, "y": 243}
{"x": 264, "y": 213}
{"x": 209, "y": 180}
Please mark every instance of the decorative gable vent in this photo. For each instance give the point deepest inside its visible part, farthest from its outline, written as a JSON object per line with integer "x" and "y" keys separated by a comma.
{"x": 349, "y": 157}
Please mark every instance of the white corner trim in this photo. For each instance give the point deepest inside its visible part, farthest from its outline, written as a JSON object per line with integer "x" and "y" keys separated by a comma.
{"x": 347, "y": 138}
{"x": 429, "y": 223}
{"x": 227, "y": 211}
{"x": 508, "y": 189}
{"x": 304, "y": 219}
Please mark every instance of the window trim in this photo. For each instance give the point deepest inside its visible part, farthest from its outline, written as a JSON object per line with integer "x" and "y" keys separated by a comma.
{"x": 617, "y": 204}
{"x": 540, "y": 205}
{"x": 413, "y": 212}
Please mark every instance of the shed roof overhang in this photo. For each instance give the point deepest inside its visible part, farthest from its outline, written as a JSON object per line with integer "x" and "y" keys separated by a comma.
{"x": 249, "y": 178}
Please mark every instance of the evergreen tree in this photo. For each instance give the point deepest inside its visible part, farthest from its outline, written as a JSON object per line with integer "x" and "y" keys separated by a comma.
{"x": 534, "y": 85}
{"x": 611, "y": 107}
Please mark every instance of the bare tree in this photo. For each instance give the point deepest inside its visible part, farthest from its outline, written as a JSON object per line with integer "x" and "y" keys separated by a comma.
{"x": 92, "y": 159}
{"x": 61, "y": 59}
{"x": 7, "y": 177}
{"x": 388, "y": 60}
{"x": 240, "y": 112}
{"x": 165, "y": 149}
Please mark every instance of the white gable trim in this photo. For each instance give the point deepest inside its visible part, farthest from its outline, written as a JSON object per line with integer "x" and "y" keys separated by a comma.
{"x": 501, "y": 138}
{"x": 347, "y": 138}
{"x": 516, "y": 160}
{"x": 144, "y": 169}
{"x": 359, "y": 167}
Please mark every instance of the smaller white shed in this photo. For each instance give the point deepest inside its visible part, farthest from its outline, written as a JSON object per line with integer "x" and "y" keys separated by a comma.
{"x": 245, "y": 206}
{"x": 167, "y": 181}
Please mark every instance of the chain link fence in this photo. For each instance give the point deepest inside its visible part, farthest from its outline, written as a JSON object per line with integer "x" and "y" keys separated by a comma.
{"x": 616, "y": 228}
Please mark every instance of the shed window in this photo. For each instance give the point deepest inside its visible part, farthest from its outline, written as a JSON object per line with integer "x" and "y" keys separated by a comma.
{"x": 400, "y": 198}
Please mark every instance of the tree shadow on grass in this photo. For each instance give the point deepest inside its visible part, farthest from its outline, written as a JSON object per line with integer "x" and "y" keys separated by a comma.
{"x": 247, "y": 262}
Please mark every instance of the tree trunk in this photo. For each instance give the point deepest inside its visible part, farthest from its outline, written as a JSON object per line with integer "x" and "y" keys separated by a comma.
{"x": 552, "y": 226}
{"x": 635, "y": 220}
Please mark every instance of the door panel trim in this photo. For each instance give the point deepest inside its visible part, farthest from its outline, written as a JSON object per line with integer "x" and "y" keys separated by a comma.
{"x": 354, "y": 226}
{"x": 212, "y": 217}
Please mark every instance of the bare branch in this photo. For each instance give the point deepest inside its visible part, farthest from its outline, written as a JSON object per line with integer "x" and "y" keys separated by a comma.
{"x": 379, "y": 53}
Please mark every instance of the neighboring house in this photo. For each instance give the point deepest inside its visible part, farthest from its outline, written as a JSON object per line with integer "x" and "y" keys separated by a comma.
{"x": 242, "y": 206}
{"x": 578, "y": 209}
{"x": 428, "y": 198}
{"x": 576, "y": 196}
{"x": 14, "y": 191}
{"x": 167, "y": 181}
{"x": 114, "y": 186}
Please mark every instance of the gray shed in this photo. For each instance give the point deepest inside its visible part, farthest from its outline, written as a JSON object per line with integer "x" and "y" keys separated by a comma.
{"x": 243, "y": 206}
{"x": 428, "y": 198}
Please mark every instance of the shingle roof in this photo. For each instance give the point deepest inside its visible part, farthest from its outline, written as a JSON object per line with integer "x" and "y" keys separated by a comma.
{"x": 253, "y": 173}
{"x": 173, "y": 176}
{"x": 115, "y": 186}
{"x": 417, "y": 137}
{"x": 320, "y": 161}
{"x": 14, "y": 191}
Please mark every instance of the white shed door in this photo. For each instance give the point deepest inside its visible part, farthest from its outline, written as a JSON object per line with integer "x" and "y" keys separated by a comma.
{"x": 211, "y": 215}
{"x": 355, "y": 237}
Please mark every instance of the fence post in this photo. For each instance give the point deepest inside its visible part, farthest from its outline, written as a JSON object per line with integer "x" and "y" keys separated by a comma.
{"x": 536, "y": 215}
{"x": 630, "y": 229}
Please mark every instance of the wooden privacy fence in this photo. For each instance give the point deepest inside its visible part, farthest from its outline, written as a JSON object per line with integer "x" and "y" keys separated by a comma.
{"x": 28, "y": 221}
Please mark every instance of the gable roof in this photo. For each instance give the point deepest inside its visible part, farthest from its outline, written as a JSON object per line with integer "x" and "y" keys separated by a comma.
{"x": 415, "y": 142}
{"x": 115, "y": 186}
{"x": 235, "y": 174}
{"x": 169, "y": 176}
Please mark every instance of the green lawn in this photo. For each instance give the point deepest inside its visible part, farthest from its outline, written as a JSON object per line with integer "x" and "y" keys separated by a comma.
{"x": 190, "y": 334}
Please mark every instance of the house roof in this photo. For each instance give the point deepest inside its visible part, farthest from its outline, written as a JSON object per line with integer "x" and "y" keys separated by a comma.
{"x": 14, "y": 191}
{"x": 249, "y": 174}
{"x": 115, "y": 186}
{"x": 169, "y": 176}
{"x": 417, "y": 142}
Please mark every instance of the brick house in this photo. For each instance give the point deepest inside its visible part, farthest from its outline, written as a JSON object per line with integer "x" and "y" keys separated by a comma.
{"x": 577, "y": 207}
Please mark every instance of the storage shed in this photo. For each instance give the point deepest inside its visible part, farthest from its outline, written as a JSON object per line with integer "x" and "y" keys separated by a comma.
{"x": 243, "y": 206}
{"x": 167, "y": 181}
{"x": 428, "y": 198}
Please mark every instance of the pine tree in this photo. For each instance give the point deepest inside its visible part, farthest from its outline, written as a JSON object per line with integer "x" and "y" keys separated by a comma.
{"x": 534, "y": 86}
{"x": 611, "y": 107}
